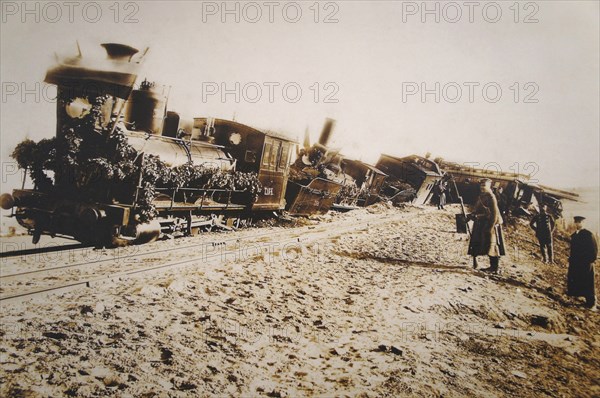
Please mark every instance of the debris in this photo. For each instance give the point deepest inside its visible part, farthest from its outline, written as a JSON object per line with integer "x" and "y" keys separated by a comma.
{"x": 166, "y": 356}
{"x": 184, "y": 385}
{"x": 111, "y": 381}
{"x": 86, "y": 309}
{"x": 519, "y": 374}
{"x": 410, "y": 309}
{"x": 540, "y": 320}
{"x": 448, "y": 372}
{"x": 395, "y": 350}
{"x": 55, "y": 335}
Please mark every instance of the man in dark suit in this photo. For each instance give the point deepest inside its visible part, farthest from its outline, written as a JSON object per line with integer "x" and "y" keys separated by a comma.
{"x": 580, "y": 277}
{"x": 543, "y": 224}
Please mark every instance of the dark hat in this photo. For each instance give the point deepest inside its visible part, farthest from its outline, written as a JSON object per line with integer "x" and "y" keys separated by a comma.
{"x": 578, "y": 218}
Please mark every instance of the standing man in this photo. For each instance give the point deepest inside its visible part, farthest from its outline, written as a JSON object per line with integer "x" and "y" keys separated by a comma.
{"x": 543, "y": 224}
{"x": 486, "y": 238}
{"x": 440, "y": 192}
{"x": 580, "y": 277}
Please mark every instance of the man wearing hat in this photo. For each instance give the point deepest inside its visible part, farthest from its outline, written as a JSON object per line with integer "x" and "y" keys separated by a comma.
{"x": 543, "y": 224}
{"x": 439, "y": 191}
{"x": 486, "y": 238}
{"x": 580, "y": 277}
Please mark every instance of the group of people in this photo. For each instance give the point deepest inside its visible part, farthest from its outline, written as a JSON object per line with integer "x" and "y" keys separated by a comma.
{"x": 487, "y": 240}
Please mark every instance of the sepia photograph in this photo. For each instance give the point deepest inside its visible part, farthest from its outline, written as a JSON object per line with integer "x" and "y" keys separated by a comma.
{"x": 304, "y": 198}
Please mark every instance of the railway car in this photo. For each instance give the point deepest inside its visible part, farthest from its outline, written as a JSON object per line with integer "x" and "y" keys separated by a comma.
{"x": 516, "y": 191}
{"x": 368, "y": 180}
{"x": 420, "y": 173}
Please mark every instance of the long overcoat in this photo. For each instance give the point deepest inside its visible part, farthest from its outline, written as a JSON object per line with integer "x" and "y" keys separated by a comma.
{"x": 580, "y": 277}
{"x": 440, "y": 194}
{"x": 486, "y": 238}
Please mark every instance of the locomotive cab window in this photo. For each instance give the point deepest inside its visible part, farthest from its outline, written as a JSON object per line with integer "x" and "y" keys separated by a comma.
{"x": 266, "y": 154}
{"x": 275, "y": 150}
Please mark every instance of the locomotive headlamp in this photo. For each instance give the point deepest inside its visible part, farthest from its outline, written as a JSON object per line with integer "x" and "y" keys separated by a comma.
{"x": 235, "y": 138}
{"x": 78, "y": 108}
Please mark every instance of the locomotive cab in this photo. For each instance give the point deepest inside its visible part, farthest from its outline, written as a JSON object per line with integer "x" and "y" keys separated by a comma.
{"x": 263, "y": 152}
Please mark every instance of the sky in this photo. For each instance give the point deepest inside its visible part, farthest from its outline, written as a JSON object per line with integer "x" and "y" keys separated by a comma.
{"x": 364, "y": 64}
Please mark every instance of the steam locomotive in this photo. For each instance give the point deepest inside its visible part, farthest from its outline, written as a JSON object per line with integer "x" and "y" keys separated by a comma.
{"x": 97, "y": 104}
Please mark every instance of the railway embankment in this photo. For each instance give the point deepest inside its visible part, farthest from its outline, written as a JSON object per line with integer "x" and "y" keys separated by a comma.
{"x": 377, "y": 302}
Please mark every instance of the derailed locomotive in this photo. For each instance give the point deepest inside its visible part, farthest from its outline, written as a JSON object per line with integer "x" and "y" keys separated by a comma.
{"x": 119, "y": 170}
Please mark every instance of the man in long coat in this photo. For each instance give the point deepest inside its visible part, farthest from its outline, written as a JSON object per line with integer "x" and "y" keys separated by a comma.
{"x": 580, "y": 277}
{"x": 440, "y": 194}
{"x": 543, "y": 224}
{"x": 486, "y": 237}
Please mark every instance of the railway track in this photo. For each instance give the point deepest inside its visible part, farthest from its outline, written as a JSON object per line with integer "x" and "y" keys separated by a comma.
{"x": 60, "y": 279}
{"x": 41, "y": 250}
{"x": 109, "y": 260}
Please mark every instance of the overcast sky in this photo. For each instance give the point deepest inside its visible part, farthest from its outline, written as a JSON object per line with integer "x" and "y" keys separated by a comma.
{"x": 372, "y": 57}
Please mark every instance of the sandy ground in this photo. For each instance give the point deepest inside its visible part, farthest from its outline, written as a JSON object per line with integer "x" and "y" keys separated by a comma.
{"x": 375, "y": 302}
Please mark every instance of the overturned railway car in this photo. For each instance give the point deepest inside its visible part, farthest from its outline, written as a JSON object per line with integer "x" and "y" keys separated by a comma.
{"x": 420, "y": 173}
{"x": 368, "y": 183}
{"x": 515, "y": 191}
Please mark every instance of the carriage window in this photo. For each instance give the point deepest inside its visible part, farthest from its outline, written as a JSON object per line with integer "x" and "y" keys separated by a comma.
{"x": 285, "y": 151}
{"x": 266, "y": 154}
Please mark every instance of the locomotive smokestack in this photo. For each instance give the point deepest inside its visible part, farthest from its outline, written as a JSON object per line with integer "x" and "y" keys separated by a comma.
{"x": 326, "y": 133}
{"x": 306, "y": 139}
{"x": 81, "y": 82}
{"x": 119, "y": 52}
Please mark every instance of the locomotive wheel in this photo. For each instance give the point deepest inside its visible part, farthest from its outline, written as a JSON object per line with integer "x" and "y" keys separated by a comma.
{"x": 140, "y": 234}
{"x": 146, "y": 233}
